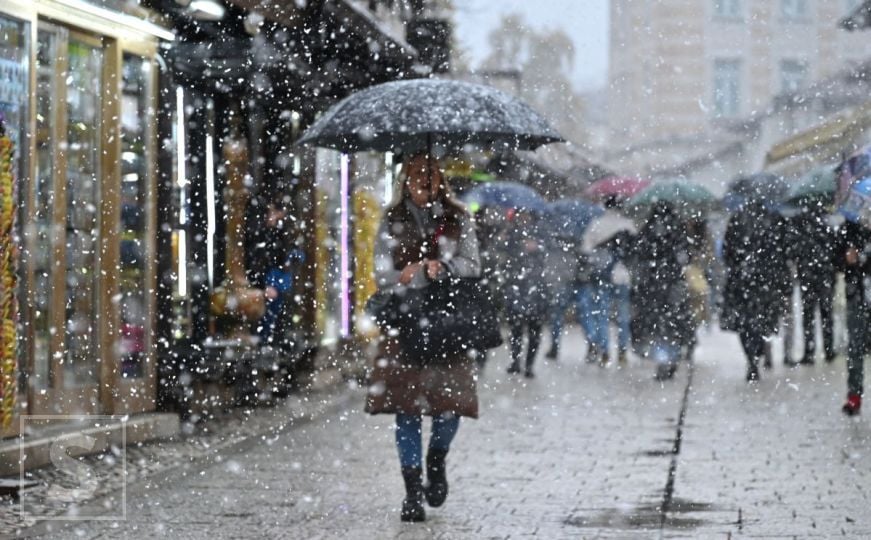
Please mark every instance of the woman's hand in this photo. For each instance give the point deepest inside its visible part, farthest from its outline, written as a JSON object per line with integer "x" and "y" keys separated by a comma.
{"x": 852, "y": 256}
{"x": 408, "y": 273}
{"x": 433, "y": 269}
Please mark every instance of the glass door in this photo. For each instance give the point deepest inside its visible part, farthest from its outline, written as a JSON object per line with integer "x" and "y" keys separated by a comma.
{"x": 84, "y": 83}
{"x": 66, "y": 314}
{"x": 135, "y": 371}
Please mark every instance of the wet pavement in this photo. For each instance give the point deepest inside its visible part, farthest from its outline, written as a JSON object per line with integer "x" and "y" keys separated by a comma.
{"x": 579, "y": 452}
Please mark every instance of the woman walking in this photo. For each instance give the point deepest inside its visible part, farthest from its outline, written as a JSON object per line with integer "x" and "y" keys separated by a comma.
{"x": 426, "y": 236}
{"x": 758, "y": 281}
{"x": 523, "y": 290}
{"x": 662, "y": 323}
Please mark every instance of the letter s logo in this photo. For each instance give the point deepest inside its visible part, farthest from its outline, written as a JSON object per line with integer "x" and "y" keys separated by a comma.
{"x": 70, "y": 466}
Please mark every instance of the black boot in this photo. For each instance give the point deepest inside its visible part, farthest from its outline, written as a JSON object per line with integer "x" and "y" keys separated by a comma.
{"x": 412, "y": 506}
{"x": 753, "y": 370}
{"x": 436, "y": 477}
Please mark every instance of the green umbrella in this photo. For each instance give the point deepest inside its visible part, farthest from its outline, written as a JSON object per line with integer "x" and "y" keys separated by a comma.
{"x": 685, "y": 197}
{"x": 816, "y": 186}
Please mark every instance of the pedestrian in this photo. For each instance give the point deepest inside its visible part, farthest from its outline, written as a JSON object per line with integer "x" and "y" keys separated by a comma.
{"x": 426, "y": 235}
{"x": 271, "y": 262}
{"x": 854, "y": 259}
{"x": 524, "y": 291}
{"x": 561, "y": 260}
{"x": 757, "y": 280}
{"x": 660, "y": 299}
{"x": 603, "y": 254}
{"x": 813, "y": 247}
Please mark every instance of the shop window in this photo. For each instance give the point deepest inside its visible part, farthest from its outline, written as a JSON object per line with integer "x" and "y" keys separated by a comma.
{"x": 83, "y": 156}
{"x": 133, "y": 227}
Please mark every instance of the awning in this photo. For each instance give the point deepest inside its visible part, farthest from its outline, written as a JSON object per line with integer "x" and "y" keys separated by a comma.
{"x": 859, "y": 18}
{"x": 361, "y": 21}
{"x": 837, "y": 132}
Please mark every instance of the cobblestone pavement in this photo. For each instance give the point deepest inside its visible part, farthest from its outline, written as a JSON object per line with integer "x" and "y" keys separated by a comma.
{"x": 579, "y": 452}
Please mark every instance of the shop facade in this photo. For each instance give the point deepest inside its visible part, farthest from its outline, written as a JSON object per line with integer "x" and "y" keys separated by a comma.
{"x": 79, "y": 104}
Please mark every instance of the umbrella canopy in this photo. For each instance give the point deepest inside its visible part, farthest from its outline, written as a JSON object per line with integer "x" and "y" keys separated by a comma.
{"x": 857, "y": 206}
{"x": 568, "y": 218}
{"x": 818, "y": 186}
{"x": 623, "y": 187}
{"x": 761, "y": 187}
{"x": 605, "y": 227}
{"x": 422, "y": 114}
{"x": 852, "y": 170}
{"x": 505, "y": 195}
{"x": 685, "y": 197}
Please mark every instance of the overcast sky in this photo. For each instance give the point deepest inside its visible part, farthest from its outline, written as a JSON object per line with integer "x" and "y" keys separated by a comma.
{"x": 585, "y": 21}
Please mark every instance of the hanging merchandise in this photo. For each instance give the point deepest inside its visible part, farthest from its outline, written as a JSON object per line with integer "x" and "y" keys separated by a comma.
{"x": 8, "y": 307}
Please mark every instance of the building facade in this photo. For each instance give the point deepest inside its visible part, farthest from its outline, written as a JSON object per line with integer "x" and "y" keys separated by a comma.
{"x": 684, "y": 68}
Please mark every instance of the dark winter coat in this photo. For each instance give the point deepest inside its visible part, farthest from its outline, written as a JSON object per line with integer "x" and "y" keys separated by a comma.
{"x": 812, "y": 244}
{"x": 852, "y": 235}
{"x": 524, "y": 289}
{"x": 660, "y": 299}
{"x": 397, "y": 383}
{"x": 758, "y": 280}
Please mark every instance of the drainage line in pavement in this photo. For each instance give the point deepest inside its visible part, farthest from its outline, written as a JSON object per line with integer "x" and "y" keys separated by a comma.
{"x": 675, "y": 451}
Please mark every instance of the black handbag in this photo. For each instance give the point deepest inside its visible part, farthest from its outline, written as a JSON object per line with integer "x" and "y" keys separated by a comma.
{"x": 446, "y": 318}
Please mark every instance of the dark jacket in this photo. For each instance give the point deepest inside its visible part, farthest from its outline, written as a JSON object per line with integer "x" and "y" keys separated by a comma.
{"x": 659, "y": 292}
{"x": 524, "y": 288}
{"x": 853, "y": 235}
{"x": 398, "y": 384}
{"x": 758, "y": 281}
{"x": 812, "y": 245}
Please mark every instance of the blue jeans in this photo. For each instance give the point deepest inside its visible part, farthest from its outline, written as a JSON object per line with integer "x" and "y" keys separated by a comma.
{"x": 620, "y": 297}
{"x": 409, "y": 438}
{"x": 593, "y": 303}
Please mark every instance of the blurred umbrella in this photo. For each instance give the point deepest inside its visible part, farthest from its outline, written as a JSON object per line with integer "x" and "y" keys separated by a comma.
{"x": 604, "y": 227}
{"x": 763, "y": 188}
{"x": 622, "y": 187}
{"x": 686, "y": 198}
{"x": 504, "y": 195}
{"x": 857, "y": 206}
{"x": 851, "y": 171}
{"x": 568, "y": 218}
{"x": 818, "y": 186}
{"x": 422, "y": 114}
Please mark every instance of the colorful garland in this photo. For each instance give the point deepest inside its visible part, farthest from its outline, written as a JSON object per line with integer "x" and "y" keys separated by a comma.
{"x": 8, "y": 307}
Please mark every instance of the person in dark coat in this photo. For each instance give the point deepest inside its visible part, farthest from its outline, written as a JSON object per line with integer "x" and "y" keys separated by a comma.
{"x": 758, "y": 282}
{"x": 813, "y": 241}
{"x": 426, "y": 235}
{"x": 853, "y": 258}
{"x": 662, "y": 320}
{"x": 271, "y": 260}
{"x": 524, "y": 290}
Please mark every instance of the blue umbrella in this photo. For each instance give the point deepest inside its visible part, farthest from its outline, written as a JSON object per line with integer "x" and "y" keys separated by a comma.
{"x": 568, "y": 218}
{"x": 505, "y": 195}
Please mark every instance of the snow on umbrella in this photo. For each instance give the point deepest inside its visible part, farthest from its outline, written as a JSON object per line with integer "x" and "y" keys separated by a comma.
{"x": 818, "y": 186}
{"x": 622, "y": 187}
{"x": 761, "y": 187}
{"x": 422, "y": 114}
{"x": 567, "y": 218}
{"x": 685, "y": 197}
{"x": 505, "y": 195}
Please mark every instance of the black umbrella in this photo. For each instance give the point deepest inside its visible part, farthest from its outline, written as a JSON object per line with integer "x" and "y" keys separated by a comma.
{"x": 764, "y": 188}
{"x": 422, "y": 114}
